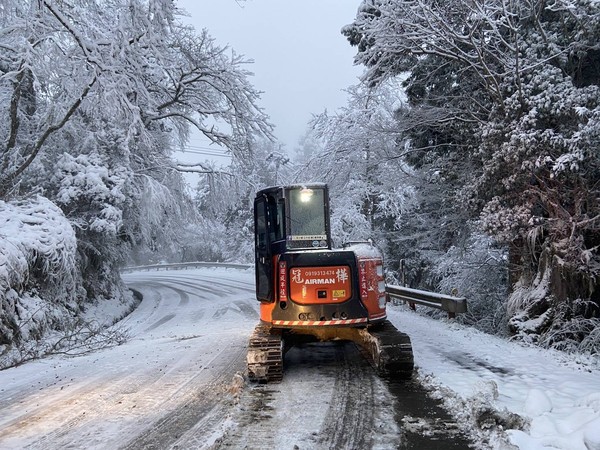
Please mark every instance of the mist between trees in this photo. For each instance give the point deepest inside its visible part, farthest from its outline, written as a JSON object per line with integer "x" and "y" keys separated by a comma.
{"x": 469, "y": 154}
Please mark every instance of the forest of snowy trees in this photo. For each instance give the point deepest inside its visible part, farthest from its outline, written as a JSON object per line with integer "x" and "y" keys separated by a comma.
{"x": 94, "y": 98}
{"x": 502, "y": 118}
{"x": 469, "y": 153}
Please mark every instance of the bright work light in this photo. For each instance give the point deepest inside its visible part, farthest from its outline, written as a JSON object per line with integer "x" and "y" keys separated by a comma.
{"x": 305, "y": 195}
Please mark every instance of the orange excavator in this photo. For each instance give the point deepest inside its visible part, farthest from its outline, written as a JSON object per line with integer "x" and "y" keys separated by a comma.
{"x": 311, "y": 292}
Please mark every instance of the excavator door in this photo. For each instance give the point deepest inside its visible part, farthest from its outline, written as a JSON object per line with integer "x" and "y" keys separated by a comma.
{"x": 263, "y": 256}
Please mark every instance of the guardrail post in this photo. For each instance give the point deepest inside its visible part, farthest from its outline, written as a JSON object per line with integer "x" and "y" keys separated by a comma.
{"x": 453, "y": 293}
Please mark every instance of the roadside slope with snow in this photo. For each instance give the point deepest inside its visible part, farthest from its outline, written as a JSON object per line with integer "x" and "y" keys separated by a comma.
{"x": 557, "y": 396}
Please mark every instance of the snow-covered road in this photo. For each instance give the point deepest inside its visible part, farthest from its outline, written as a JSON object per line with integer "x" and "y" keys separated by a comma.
{"x": 509, "y": 395}
{"x": 178, "y": 383}
{"x": 186, "y": 346}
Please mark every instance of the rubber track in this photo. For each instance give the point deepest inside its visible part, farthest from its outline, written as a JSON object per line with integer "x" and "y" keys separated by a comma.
{"x": 265, "y": 355}
{"x": 395, "y": 355}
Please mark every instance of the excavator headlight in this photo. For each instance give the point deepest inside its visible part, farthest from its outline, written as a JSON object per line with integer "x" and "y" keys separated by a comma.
{"x": 305, "y": 195}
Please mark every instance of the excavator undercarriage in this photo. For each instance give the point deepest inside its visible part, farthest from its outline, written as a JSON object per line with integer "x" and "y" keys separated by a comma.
{"x": 388, "y": 350}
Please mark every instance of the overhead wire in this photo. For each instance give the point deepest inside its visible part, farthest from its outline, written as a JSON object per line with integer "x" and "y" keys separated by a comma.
{"x": 196, "y": 150}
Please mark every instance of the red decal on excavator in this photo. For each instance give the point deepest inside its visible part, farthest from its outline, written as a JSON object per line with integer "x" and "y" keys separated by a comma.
{"x": 320, "y": 284}
{"x": 362, "y": 278}
{"x": 282, "y": 281}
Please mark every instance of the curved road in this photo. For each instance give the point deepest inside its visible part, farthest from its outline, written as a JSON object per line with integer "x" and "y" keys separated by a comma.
{"x": 178, "y": 382}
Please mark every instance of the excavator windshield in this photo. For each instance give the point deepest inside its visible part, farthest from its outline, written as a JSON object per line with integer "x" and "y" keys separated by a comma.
{"x": 307, "y": 218}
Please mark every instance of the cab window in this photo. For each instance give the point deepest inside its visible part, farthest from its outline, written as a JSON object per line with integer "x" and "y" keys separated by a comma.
{"x": 307, "y": 214}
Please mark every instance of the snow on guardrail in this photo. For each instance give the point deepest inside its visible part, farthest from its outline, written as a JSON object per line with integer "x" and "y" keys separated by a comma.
{"x": 186, "y": 265}
{"x": 452, "y": 305}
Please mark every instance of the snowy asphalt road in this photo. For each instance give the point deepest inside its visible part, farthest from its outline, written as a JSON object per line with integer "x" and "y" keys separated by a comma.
{"x": 177, "y": 383}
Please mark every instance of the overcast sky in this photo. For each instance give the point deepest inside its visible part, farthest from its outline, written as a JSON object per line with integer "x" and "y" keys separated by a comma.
{"x": 302, "y": 63}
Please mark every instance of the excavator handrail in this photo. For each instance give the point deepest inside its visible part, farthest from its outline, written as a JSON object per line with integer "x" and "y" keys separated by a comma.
{"x": 451, "y": 304}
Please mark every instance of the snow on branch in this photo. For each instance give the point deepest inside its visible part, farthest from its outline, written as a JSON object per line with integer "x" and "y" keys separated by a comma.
{"x": 34, "y": 236}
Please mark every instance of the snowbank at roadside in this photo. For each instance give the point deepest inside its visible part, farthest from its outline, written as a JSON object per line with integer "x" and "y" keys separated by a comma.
{"x": 41, "y": 291}
{"x": 37, "y": 269}
{"x": 513, "y": 396}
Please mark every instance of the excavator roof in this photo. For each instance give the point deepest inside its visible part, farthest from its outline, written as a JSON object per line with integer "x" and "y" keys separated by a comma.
{"x": 292, "y": 186}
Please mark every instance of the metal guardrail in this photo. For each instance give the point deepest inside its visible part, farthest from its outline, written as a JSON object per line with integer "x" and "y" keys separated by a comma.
{"x": 452, "y": 305}
{"x": 186, "y": 265}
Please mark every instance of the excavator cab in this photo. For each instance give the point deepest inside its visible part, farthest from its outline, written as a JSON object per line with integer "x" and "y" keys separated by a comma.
{"x": 286, "y": 219}
{"x": 310, "y": 291}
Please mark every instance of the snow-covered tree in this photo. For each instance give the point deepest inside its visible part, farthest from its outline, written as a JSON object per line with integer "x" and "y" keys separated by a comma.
{"x": 355, "y": 152}
{"x": 37, "y": 262}
{"x": 225, "y": 199}
{"x": 506, "y": 95}
{"x": 94, "y": 97}
{"x": 129, "y": 62}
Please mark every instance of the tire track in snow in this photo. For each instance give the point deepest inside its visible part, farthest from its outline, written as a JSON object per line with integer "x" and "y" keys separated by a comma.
{"x": 329, "y": 398}
{"x": 350, "y": 417}
{"x": 212, "y": 286}
{"x": 203, "y": 407}
{"x": 160, "y": 322}
{"x": 254, "y": 428}
{"x": 181, "y": 385}
{"x": 71, "y": 408}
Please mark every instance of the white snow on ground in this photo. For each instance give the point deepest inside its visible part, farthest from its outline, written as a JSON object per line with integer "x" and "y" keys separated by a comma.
{"x": 558, "y": 395}
{"x": 176, "y": 348}
{"x": 94, "y": 399}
